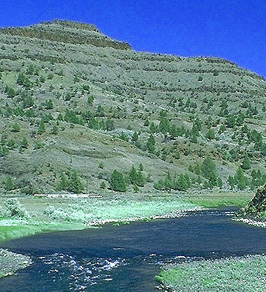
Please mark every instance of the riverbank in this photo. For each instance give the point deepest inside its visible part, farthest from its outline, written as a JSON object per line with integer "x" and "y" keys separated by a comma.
{"x": 33, "y": 215}
{"x": 11, "y": 262}
{"x": 230, "y": 274}
{"x": 26, "y": 216}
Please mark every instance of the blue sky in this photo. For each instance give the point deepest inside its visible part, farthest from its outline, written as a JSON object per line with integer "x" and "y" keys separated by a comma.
{"x": 231, "y": 29}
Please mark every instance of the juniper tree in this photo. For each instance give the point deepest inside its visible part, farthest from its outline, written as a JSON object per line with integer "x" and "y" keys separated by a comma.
{"x": 133, "y": 175}
{"x": 246, "y": 162}
{"x": 151, "y": 144}
{"x": 117, "y": 182}
{"x": 63, "y": 183}
{"x": 41, "y": 128}
{"x": 240, "y": 179}
{"x": 54, "y": 130}
{"x": 164, "y": 125}
{"x": 210, "y": 134}
{"x": 9, "y": 183}
{"x": 140, "y": 179}
{"x": 103, "y": 185}
{"x": 24, "y": 143}
{"x": 209, "y": 171}
{"x": 135, "y": 137}
{"x": 75, "y": 184}
{"x": 15, "y": 128}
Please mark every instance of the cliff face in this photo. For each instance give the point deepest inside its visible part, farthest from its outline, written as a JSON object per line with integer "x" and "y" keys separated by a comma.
{"x": 67, "y": 32}
{"x": 257, "y": 206}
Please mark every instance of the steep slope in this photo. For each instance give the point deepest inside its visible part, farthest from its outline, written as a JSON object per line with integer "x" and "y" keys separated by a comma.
{"x": 257, "y": 206}
{"x": 75, "y": 99}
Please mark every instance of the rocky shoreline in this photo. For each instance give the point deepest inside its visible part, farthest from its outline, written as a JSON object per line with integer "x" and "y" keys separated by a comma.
{"x": 253, "y": 222}
{"x": 11, "y": 262}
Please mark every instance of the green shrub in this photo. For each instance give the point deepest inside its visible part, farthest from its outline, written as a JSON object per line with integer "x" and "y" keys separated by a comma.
{"x": 15, "y": 209}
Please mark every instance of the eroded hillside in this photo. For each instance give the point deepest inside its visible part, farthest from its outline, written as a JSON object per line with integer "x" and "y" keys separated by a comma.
{"x": 77, "y": 105}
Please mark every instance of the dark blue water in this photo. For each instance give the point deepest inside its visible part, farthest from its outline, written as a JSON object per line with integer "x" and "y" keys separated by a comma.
{"x": 127, "y": 258}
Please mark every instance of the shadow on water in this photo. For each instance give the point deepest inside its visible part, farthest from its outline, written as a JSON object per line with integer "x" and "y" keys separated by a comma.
{"x": 127, "y": 258}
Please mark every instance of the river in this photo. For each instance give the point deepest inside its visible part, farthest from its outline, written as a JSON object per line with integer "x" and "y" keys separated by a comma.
{"x": 126, "y": 258}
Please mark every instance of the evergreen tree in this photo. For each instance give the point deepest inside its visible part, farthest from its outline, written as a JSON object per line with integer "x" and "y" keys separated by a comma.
{"x": 257, "y": 178}
{"x": 117, "y": 181}
{"x": 146, "y": 123}
{"x": 11, "y": 144}
{"x": 194, "y": 138}
{"x": 159, "y": 185}
{"x": 54, "y": 130}
{"x": 90, "y": 100}
{"x": 3, "y": 151}
{"x": 103, "y": 185}
{"x": 231, "y": 181}
{"x": 135, "y": 188}
{"x": 15, "y": 128}
{"x": 219, "y": 182}
{"x": 151, "y": 144}
{"x": 24, "y": 143}
{"x": 49, "y": 104}
{"x": 133, "y": 175}
{"x": 109, "y": 125}
{"x": 9, "y": 183}
{"x": 140, "y": 179}
{"x": 75, "y": 184}
{"x": 197, "y": 125}
{"x": 124, "y": 137}
{"x": 240, "y": 179}
{"x": 27, "y": 101}
{"x": 231, "y": 121}
{"x": 135, "y": 137}
{"x": 23, "y": 80}
{"x": 101, "y": 165}
{"x": 187, "y": 179}
{"x": 210, "y": 134}
{"x": 173, "y": 130}
{"x": 199, "y": 180}
{"x": 10, "y": 92}
{"x": 63, "y": 184}
{"x": 222, "y": 129}
{"x": 153, "y": 128}
{"x": 209, "y": 171}
{"x": 164, "y": 125}
{"x": 246, "y": 162}
{"x": 182, "y": 183}
{"x": 41, "y": 128}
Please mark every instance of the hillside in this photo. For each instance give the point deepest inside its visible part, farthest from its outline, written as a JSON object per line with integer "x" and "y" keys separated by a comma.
{"x": 77, "y": 105}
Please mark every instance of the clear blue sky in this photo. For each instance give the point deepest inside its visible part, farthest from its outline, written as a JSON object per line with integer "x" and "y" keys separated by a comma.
{"x": 232, "y": 29}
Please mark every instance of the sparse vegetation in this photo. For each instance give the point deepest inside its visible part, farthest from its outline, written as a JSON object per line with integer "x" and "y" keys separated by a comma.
{"x": 231, "y": 274}
{"x": 72, "y": 120}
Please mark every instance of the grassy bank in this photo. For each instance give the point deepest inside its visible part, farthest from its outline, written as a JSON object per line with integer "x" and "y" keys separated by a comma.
{"x": 29, "y": 215}
{"x": 231, "y": 274}
{"x": 11, "y": 262}
{"x": 33, "y": 215}
{"x": 220, "y": 199}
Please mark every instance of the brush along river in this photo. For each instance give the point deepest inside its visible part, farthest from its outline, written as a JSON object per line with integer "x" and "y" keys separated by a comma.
{"x": 127, "y": 258}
